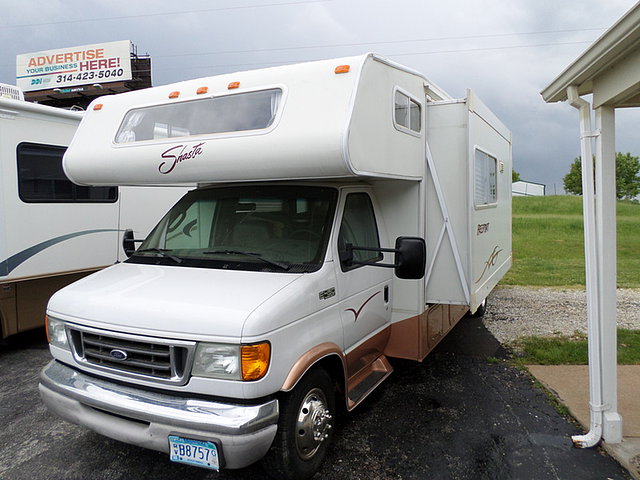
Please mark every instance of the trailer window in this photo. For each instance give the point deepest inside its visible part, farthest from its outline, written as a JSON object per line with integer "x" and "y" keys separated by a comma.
{"x": 407, "y": 112}
{"x": 230, "y": 113}
{"x": 41, "y": 178}
{"x": 486, "y": 185}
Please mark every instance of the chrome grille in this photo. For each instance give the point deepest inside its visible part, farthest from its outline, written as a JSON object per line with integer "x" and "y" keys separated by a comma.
{"x": 149, "y": 358}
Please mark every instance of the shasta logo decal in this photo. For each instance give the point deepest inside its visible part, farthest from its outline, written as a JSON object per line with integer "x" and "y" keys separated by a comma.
{"x": 178, "y": 154}
{"x": 356, "y": 313}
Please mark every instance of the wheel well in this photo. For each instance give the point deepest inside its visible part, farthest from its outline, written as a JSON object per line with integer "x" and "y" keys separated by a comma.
{"x": 333, "y": 366}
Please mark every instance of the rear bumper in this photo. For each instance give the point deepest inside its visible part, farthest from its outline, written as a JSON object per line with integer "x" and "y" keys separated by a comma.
{"x": 244, "y": 433}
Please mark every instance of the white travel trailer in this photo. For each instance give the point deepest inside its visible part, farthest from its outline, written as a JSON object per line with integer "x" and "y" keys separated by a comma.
{"x": 261, "y": 300}
{"x": 53, "y": 232}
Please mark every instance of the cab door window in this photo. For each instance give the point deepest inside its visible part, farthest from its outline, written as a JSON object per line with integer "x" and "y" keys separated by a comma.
{"x": 359, "y": 228}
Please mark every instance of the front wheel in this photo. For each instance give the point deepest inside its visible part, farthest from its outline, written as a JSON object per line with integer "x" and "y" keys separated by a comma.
{"x": 305, "y": 428}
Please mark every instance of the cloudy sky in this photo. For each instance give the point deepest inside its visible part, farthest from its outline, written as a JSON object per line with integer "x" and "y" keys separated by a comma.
{"x": 505, "y": 50}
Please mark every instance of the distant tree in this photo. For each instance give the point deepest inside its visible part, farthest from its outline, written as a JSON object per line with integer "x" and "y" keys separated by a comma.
{"x": 627, "y": 177}
{"x": 573, "y": 179}
{"x": 515, "y": 176}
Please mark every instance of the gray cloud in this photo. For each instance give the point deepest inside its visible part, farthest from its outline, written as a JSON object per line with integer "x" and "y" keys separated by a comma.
{"x": 496, "y": 48}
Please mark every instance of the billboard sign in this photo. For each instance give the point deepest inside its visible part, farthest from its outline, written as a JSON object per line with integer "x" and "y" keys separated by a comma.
{"x": 68, "y": 67}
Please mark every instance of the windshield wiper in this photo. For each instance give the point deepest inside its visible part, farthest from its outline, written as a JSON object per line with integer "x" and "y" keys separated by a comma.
{"x": 161, "y": 252}
{"x": 281, "y": 265}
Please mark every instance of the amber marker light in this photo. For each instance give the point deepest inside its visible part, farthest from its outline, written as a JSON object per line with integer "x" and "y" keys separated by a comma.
{"x": 343, "y": 69}
{"x": 255, "y": 360}
{"x": 233, "y": 85}
{"x": 97, "y": 106}
{"x": 202, "y": 90}
{"x": 46, "y": 322}
{"x": 175, "y": 94}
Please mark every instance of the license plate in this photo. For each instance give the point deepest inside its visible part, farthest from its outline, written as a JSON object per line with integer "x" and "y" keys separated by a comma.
{"x": 194, "y": 452}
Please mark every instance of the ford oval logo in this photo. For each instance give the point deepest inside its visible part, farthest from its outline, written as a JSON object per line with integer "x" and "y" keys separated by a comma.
{"x": 118, "y": 354}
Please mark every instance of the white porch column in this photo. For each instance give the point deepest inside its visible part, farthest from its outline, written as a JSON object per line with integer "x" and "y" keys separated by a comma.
{"x": 606, "y": 246}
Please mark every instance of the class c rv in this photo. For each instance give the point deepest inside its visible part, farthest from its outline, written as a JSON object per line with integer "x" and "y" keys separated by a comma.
{"x": 348, "y": 212}
{"x": 53, "y": 232}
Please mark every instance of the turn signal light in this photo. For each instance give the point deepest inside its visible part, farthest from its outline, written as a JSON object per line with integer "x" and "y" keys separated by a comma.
{"x": 97, "y": 106}
{"x": 255, "y": 360}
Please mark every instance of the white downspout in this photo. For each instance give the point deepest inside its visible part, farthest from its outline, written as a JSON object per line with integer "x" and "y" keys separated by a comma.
{"x": 591, "y": 266}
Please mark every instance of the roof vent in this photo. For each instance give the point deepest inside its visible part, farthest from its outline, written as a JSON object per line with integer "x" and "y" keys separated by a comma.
{"x": 10, "y": 91}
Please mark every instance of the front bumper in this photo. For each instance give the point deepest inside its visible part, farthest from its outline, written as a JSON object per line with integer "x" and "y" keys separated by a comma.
{"x": 244, "y": 433}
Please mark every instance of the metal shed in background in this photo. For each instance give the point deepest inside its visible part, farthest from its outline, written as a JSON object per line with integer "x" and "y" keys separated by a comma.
{"x": 610, "y": 71}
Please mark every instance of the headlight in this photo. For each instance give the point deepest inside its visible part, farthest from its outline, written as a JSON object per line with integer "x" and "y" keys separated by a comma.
{"x": 57, "y": 333}
{"x": 232, "y": 362}
{"x": 217, "y": 360}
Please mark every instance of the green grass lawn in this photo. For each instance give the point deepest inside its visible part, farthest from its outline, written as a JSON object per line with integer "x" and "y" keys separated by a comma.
{"x": 573, "y": 350}
{"x": 548, "y": 242}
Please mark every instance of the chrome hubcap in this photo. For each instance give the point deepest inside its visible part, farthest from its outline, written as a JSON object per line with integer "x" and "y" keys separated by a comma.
{"x": 313, "y": 423}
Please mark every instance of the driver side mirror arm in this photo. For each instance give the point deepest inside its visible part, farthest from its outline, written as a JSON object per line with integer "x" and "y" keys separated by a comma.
{"x": 410, "y": 257}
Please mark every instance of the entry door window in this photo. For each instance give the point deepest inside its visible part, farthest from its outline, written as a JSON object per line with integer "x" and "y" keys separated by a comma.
{"x": 359, "y": 228}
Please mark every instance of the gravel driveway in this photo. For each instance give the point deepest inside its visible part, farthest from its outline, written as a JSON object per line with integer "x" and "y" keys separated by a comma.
{"x": 514, "y": 312}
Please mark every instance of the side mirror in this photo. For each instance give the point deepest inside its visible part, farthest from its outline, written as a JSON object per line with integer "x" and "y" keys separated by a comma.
{"x": 129, "y": 243}
{"x": 411, "y": 258}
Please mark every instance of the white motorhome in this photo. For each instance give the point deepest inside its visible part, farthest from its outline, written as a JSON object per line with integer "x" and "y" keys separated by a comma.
{"x": 263, "y": 299}
{"x": 53, "y": 232}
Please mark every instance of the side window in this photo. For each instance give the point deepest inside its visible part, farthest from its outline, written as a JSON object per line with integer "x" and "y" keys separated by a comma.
{"x": 359, "y": 228}
{"x": 41, "y": 178}
{"x": 407, "y": 113}
{"x": 486, "y": 185}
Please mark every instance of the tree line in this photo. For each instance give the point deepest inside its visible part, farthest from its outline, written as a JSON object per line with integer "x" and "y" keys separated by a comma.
{"x": 627, "y": 177}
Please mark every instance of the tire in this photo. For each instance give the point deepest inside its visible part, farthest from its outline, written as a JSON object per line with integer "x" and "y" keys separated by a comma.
{"x": 305, "y": 428}
{"x": 480, "y": 311}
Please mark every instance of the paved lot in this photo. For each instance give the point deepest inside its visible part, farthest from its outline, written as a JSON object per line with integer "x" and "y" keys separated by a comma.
{"x": 455, "y": 416}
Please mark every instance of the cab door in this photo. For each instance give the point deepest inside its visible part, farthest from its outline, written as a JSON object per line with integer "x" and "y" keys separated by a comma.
{"x": 364, "y": 290}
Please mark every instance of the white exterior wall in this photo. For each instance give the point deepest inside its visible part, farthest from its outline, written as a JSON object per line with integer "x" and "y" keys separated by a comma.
{"x": 328, "y": 126}
{"x": 481, "y": 235}
{"x": 25, "y": 225}
{"x": 35, "y": 231}
{"x": 376, "y": 148}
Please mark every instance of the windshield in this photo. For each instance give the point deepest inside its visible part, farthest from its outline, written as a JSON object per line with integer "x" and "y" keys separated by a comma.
{"x": 265, "y": 228}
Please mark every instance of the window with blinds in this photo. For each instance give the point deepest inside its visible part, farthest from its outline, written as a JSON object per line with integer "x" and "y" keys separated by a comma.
{"x": 486, "y": 185}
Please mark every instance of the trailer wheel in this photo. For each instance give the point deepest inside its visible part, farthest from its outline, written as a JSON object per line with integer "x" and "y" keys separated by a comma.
{"x": 480, "y": 311}
{"x": 305, "y": 428}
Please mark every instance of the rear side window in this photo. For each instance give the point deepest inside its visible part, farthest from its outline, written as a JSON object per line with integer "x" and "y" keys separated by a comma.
{"x": 41, "y": 178}
{"x": 407, "y": 113}
{"x": 485, "y": 182}
{"x": 229, "y": 113}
